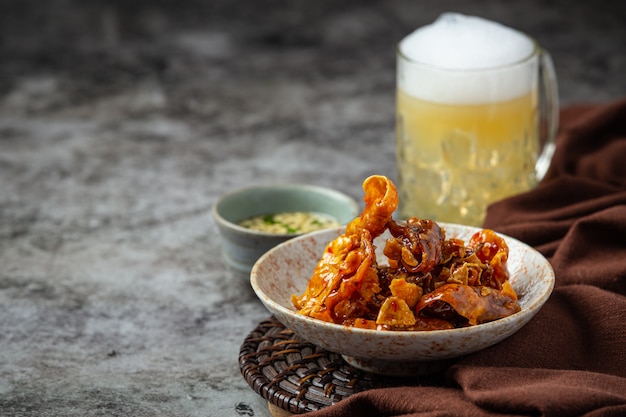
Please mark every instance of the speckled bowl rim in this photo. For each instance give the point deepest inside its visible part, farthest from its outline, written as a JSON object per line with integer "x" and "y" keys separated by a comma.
{"x": 528, "y": 310}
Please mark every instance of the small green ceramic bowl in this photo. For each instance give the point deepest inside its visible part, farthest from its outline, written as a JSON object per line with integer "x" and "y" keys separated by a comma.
{"x": 241, "y": 246}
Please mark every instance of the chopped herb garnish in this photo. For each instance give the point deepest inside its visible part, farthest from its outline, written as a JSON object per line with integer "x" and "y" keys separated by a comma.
{"x": 289, "y": 222}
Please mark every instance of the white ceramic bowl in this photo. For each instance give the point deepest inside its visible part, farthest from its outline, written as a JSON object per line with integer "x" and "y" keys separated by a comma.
{"x": 286, "y": 269}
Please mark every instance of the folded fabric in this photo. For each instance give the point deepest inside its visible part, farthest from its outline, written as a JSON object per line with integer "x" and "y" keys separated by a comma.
{"x": 570, "y": 360}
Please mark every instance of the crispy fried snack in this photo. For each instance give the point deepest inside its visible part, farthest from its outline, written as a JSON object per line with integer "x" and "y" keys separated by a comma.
{"x": 346, "y": 278}
{"x": 430, "y": 283}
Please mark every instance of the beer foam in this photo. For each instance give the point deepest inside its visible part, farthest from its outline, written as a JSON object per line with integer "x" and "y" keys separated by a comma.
{"x": 460, "y": 46}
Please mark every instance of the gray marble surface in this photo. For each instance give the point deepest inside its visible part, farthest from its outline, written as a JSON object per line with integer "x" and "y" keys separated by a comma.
{"x": 122, "y": 122}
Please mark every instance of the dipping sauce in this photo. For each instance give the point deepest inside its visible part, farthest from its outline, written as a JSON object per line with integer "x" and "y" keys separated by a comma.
{"x": 290, "y": 222}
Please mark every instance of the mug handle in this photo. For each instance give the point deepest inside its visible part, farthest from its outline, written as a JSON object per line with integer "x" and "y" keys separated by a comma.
{"x": 550, "y": 110}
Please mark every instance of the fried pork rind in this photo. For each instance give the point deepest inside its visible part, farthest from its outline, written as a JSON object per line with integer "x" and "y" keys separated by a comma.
{"x": 345, "y": 280}
{"x": 430, "y": 283}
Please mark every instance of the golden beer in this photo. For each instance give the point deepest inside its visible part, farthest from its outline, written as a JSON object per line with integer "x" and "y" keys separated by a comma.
{"x": 453, "y": 160}
{"x": 468, "y": 137}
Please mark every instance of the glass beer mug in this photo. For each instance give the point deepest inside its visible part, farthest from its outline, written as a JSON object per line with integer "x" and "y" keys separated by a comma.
{"x": 477, "y": 114}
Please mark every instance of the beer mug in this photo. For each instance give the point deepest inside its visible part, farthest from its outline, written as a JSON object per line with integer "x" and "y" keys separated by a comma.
{"x": 477, "y": 115}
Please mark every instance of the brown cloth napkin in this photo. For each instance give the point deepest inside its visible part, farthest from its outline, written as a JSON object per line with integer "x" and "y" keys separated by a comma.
{"x": 570, "y": 360}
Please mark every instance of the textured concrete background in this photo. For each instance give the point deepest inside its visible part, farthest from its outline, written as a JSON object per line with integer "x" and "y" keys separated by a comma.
{"x": 122, "y": 122}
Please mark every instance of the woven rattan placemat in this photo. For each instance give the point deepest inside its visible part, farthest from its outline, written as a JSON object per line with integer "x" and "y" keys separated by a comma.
{"x": 298, "y": 377}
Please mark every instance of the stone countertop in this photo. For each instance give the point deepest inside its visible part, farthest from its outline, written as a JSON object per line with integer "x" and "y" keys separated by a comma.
{"x": 120, "y": 125}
